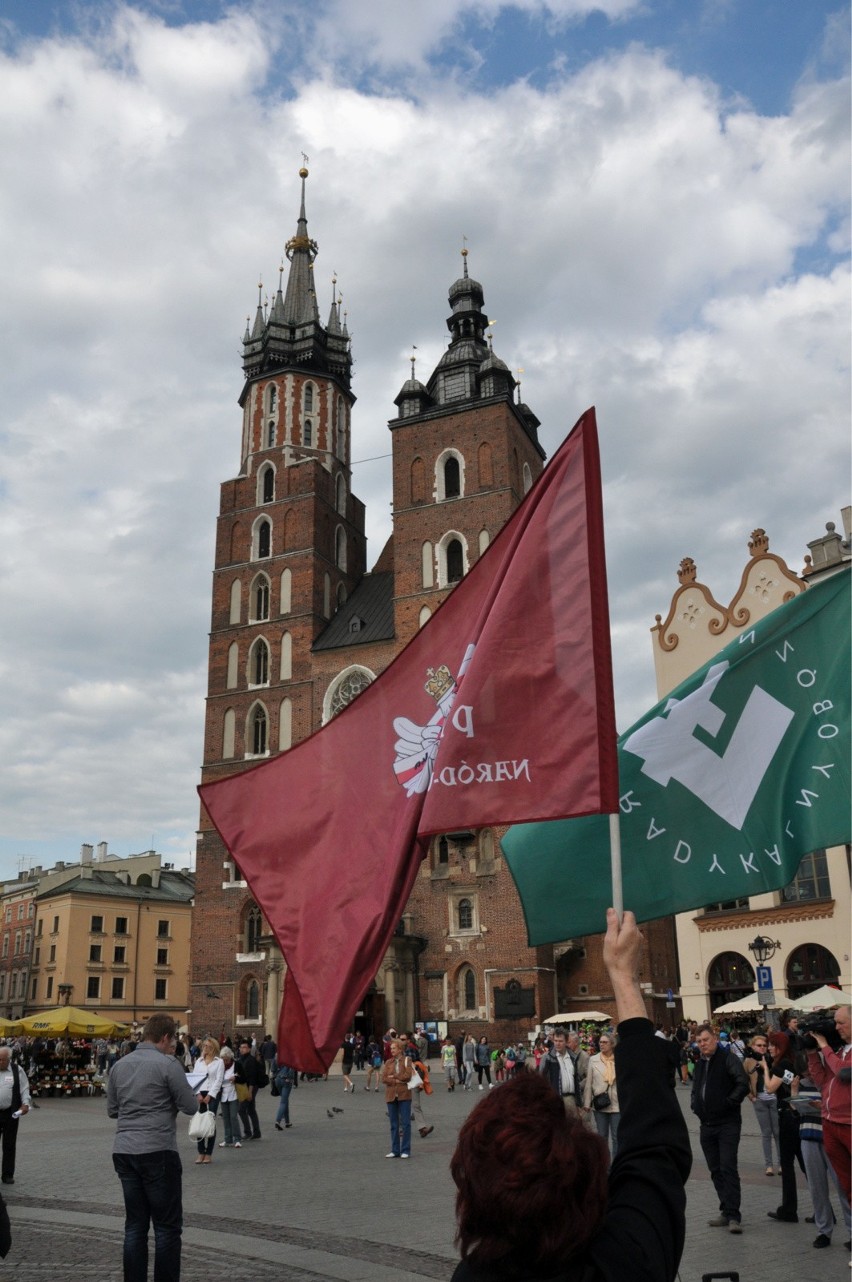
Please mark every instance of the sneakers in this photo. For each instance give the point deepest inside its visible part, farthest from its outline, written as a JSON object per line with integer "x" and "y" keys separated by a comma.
{"x": 822, "y": 1241}
{"x": 225, "y": 1144}
{"x": 735, "y": 1227}
{"x": 237, "y": 1144}
{"x": 785, "y": 1216}
{"x": 391, "y": 1154}
{"x": 719, "y": 1222}
{"x": 481, "y": 1087}
{"x": 405, "y": 1155}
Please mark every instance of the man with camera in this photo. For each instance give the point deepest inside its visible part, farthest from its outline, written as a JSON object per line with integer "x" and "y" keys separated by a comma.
{"x": 831, "y": 1070}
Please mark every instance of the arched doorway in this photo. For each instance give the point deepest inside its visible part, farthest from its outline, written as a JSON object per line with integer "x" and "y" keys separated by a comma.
{"x": 729, "y": 978}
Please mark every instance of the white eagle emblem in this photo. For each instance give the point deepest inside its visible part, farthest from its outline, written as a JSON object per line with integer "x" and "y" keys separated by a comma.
{"x": 417, "y": 746}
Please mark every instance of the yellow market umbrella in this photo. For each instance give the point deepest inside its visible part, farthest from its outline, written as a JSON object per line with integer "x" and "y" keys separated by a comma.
{"x": 70, "y": 1021}
{"x": 10, "y": 1027}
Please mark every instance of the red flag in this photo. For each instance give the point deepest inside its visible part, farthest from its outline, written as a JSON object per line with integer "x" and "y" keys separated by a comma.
{"x": 500, "y": 710}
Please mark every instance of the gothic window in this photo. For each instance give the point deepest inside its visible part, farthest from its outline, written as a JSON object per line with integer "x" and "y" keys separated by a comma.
{"x": 270, "y": 436}
{"x": 258, "y": 730}
{"x": 236, "y": 540}
{"x": 484, "y": 540}
{"x": 467, "y": 989}
{"x": 271, "y": 398}
{"x": 443, "y": 850}
{"x": 427, "y": 557}
{"x": 286, "y": 669}
{"x": 285, "y": 725}
{"x": 308, "y": 401}
{"x": 418, "y": 481}
{"x": 455, "y": 561}
{"x": 341, "y": 430}
{"x": 341, "y": 494}
{"x": 346, "y": 687}
{"x": 236, "y": 601}
{"x": 253, "y": 929}
{"x": 307, "y": 432}
{"x": 286, "y": 587}
{"x": 810, "y": 966}
{"x": 258, "y": 673}
{"x": 263, "y": 538}
{"x": 811, "y": 880}
{"x": 252, "y": 999}
{"x": 341, "y": 595}
{"x": 729, "y": 978}
{"x": 266, "y": 485}
{"x": 228, "y": 733}
{"x": 260, "y": 598}
{"x": 340, "y": 548}
{"x": 527, "y": 477}
{"x": 452, "y": 478}
{"x": 464, "y": 910}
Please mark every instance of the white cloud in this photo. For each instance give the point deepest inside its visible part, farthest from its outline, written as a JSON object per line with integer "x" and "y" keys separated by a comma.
{"x": 639, "y": 242}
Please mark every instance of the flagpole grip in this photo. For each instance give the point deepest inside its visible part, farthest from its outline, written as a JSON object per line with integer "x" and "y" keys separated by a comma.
{"x": 615, "y": 862}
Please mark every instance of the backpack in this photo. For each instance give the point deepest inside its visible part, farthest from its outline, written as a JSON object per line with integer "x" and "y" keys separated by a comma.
{"x": 262, "y": 1076}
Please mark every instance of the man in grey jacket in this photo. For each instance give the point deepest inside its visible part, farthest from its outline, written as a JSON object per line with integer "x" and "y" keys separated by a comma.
{"x": 146, "y": 1090}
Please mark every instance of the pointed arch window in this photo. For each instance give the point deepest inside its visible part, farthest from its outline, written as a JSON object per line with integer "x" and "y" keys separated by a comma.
{"x": 260, "y": 599}
{"x": 267, "y": 485}
{"x": 270, "y": 434}
{"x": 259, "y": 663}
{"x": 465, "y": 914}
{"x": 229, "y": 725}
{"x": 253, "y": 929}
{"x": 341, "y": 495}
{"x": 258, "y": 731}
{"x": 455, "y": 561}
{"x": 341, "y": 430}
{"x": 467, "y": 989}
{"x": 263, "y": 538}
{"x": 252, "y": 999}
{"x": 340, "y": 548}
{"x": 308, "y": 402}
{"x": 307, "y": 432}
{"x": 231, "y": 676}
{"x": 236, "y": 601}
{"x": 452, "y": 478}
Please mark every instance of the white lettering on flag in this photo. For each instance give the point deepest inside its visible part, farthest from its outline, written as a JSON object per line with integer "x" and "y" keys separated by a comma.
{"x": 727, "y": 783}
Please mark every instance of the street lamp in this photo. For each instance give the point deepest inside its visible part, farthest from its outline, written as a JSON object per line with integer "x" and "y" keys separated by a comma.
{"x": 763, "y": 949}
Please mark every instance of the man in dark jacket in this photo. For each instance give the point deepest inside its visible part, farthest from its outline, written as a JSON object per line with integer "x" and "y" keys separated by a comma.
{"x": 246, "y": 1074}
{"x": 719, "y": 1087}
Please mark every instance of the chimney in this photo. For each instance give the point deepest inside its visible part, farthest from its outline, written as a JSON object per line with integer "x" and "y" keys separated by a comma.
{"x": 102, "y": 852}
{"x": 155, "y": 878}
{"x": 86, "y": 852}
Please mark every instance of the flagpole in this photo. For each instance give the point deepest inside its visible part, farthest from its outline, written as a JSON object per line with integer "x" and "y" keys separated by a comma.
{"x": 615, "y": 861}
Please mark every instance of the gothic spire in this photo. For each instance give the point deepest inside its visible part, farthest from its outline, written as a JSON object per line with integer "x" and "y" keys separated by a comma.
{"x": 300, "y": 303}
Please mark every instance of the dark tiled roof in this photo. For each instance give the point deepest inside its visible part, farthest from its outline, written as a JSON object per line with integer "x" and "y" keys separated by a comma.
{"x": 372, "y": 605}
{"x": 173, "y": 888}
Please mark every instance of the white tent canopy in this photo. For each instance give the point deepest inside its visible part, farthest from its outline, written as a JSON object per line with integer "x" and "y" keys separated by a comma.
{"x": 580, "y": 1017}
{"x": 821, "y": 999}
{"x": 745, "y": 1006}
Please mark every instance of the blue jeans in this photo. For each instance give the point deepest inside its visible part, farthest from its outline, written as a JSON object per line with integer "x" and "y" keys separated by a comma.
{"x": 399, "y": 1116}
{"x": 151, "y": 1183}
{"x": 607, "y": 1127}
{"x": 230, "y": 1117}
{"x": 283, "y": 1114}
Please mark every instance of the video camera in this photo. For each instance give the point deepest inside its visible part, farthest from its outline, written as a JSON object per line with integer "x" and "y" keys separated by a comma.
{"x": 822, "y": 1022}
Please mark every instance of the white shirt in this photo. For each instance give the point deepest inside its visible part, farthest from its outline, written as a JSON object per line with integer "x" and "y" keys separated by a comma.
{"x": 566, "y": 1073}
{"x": 7, "y": 1084}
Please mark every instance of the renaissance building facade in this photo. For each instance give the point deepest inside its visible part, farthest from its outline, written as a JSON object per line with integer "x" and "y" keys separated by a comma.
{"x": 300, "y": 626}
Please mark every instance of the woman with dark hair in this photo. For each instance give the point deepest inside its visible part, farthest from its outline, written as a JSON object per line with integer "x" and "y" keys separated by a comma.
{"x": 778, "y": 1082}
{"x": 483, "y": 1061}
{"x": 534, "y": 1200}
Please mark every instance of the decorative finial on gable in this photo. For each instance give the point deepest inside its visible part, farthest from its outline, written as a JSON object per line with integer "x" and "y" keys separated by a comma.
{"x": 758, "y": 543}
{"x": 687, "y": 571}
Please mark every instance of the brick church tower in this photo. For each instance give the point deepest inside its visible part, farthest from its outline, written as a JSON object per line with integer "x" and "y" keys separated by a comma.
{"x": 299, "y": 628}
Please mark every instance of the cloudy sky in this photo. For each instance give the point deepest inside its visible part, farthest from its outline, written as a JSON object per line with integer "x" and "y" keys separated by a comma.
{"x": 655, "y": 198}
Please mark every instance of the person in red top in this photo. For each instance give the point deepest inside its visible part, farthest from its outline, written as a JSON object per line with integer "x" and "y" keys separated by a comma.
{"x": 830, "y": 1070}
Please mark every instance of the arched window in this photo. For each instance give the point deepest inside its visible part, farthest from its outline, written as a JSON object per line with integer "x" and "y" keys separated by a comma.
{"x": 285, "y": 725}
{"x": 229, "y": 724}
{"x": 266, "y": 485}
{"x": 271, "y": 398}
{"x": 455, "y": 561}
{"x": 341, "y": 430}
{"x": 286, "y": 668}
{"x": 484, "y": 540}
{"x": 464, "y": 910}
{"x": 443, "y": 850}
{"x": 467, "y": 989}
{"x": 260, "y": 598}
{"x": 252, "y": 999}
{"x": 344, "y": 689}
{"x": 235, "y": 551}
{"x": 270, "y": 434}
{"x": 340, "y": 595}
{"x": 308, "y": 398}
{"x": 340, "y": 548}
{"x": 810, "y": 966}
{"x": 418, "y": 481}
{"x": 263, "y": 538}
{"x": 452, "y": 478}
{"x": 286, "y": 588}
{"x": 729, "y": 978}
{"x": 236, "y": 601}
{"x": 258, "y": 673}
{"x": 233, "y": 666}
{"x": 486, "y": 466}
{"x": 340, "y": 501}
{"x": 527, "y": 477}
{"x": 307, "y": 432}
{"x": 258, "y": 730}
{"x": 427, "y": 558}
{"x": 252, "y": 929}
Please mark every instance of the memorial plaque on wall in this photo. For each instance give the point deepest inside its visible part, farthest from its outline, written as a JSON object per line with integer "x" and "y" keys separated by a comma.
{"x": 514, "y": 1002}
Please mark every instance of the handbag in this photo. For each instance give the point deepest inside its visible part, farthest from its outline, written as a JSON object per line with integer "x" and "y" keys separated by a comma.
{"x": 202, "y": 1126}
{"x": 243, "y": 1092}
{"x": 602, "y": 1100}
{"x": 415, "y": 1081}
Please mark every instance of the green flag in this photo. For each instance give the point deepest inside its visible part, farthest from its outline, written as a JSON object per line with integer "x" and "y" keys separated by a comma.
{"x": 724, "y": 786}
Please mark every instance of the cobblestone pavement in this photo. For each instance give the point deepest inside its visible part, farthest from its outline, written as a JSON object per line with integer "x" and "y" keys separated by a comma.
{"x": 320, "y": 1202}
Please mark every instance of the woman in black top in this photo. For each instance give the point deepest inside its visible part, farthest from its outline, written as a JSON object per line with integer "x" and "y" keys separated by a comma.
{"x": 778, "y": 1082}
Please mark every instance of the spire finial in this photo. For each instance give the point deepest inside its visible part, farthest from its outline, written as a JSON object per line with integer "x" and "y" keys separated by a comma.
{"x": 464, "y": 255}
{"x": 413, "y": 360}
{"x": 518, "y": 384}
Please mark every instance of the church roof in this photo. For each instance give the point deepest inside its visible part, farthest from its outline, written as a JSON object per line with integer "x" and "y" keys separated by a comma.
{"x": 366, "y": 616}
